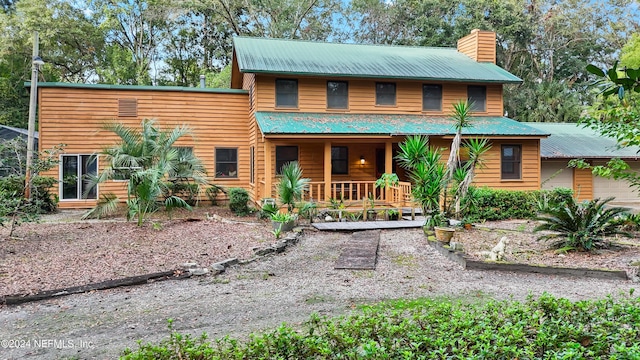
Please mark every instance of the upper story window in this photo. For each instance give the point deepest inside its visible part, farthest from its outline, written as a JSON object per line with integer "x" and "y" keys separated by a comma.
{"x": 477, "y": 97}
{"x": 431, "y": 97}
{"x": 285, "y": 154}
{"x": 287, "y": 93}
{"x": 337, "y": 95}
{"x": 385, "y": 93}
{"x": 511, "y": 162}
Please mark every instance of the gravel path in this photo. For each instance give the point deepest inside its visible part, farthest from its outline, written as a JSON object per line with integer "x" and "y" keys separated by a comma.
{"x": 262, "y": 295}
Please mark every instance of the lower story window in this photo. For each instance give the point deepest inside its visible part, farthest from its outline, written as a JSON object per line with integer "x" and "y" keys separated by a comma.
{"x": 285, "y": 154}
{"x": 252, "y": 170}
{"x": 511, "y": 162}
{"x": 77, "y": 172}
{"x": 339, "y": 160}
{"x": 226, "y": 163}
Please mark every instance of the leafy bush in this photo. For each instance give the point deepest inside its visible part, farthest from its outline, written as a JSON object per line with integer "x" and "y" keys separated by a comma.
{"x": 581, "y": 226}
{"x": 184, "y": 190}
{"x": 544, "y": 328}
{"x": 238, "y": 198}
{"x": 283, "y": 217}
{"x": 496, "y": 204}
{"x": 267, "y": 210}
{"x": 212, "y": 193}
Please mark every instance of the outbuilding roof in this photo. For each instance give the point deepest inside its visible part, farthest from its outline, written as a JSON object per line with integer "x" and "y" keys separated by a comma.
{"x": 295, "y": 57}
{"x": 294, "y": 123}
{"x": 574, "y": 141}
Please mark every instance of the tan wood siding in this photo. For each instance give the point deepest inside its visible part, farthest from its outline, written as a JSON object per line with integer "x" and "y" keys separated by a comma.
{"x": 490, "y": 174}
{"x": 582, "y": 184}
{"x": 479, "y": 45}
{"x": 312, "y": 97}
{"x": 76, "y": 117}
{"x": 310, "y": 156}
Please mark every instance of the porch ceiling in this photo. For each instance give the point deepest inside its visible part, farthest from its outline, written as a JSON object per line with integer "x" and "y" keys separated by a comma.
{"x": 276, "y": 123}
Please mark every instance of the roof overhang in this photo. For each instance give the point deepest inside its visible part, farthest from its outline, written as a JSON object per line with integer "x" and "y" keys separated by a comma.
{"x": 381, "y": 77}
{"x": 295, "y": 124}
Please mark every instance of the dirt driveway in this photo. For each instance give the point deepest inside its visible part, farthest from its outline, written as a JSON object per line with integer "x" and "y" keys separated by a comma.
{"x": 262, "y": 295}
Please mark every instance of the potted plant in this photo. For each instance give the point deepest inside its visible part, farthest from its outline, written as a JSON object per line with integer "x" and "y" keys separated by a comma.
{"x": 444, "y": 233}
{"x": 392, "y": 214}
{"x": 372, "y": 215}
{"x": 283, "y": 221}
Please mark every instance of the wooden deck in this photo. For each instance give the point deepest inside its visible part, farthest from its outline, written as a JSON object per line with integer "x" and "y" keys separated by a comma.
{"x": 368, "y": 225}
{"x": 360, "y": 252}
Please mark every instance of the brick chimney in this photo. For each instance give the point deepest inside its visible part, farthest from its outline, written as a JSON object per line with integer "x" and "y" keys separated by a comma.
{"x": 480, "y": 45}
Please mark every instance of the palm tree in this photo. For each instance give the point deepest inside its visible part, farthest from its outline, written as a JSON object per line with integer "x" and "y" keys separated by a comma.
{"x": 291, "y": 185}
{"x": 151, "y": 162}
{"x": 462, "y": 119}
{"x": 477, "y": 148}
{"x": 425, "y": 170}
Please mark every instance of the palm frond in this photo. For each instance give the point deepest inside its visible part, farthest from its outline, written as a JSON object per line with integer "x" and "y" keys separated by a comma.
{"x": 107, "y": 205}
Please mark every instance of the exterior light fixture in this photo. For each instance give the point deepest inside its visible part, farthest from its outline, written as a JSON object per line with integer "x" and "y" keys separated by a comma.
{"x": 362, "y": 159}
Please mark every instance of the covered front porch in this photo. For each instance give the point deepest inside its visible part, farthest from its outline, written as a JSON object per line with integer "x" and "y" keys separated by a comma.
{"x": 342, "y": 171}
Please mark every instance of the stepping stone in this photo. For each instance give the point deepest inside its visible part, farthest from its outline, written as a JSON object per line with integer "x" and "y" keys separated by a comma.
{"x": 361, "y": 252}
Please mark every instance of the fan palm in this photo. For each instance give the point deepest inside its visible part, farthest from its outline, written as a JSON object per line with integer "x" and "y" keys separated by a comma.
{"x": 291, "y": 185}
{"x": 581, "y": 226}
{"x": 152, "y": 162}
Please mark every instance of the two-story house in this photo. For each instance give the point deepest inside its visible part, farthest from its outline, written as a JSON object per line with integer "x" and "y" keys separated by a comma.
{"x": 338, "y": 109}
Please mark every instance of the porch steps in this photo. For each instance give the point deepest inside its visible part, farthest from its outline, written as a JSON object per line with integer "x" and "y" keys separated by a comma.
{"x": 368, "y": 225}
{"x": 360, "y": 252}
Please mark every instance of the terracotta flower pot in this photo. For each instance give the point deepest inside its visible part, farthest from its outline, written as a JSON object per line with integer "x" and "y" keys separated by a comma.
{"x": 444, "y": 234}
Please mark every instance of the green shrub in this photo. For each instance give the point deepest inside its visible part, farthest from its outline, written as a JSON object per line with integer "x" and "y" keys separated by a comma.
{"x": 497, "y": 204}
{"x": 268, "y": 210}
{"x": 212, "y": 193}
{"x": 43, "y": 201}
{"x": 544, "y": 328}
{"x": 185, "y": 191}
{"x": 238, "y": 198}
{"x": 581, "y": 226}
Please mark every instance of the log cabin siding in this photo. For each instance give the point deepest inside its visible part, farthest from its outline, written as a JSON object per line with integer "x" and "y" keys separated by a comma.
{"x": 312, "y": 97}
{"x": 311, "y": 159}
{"x": 76, "y": 117}
{"x": 479, "y": 45}
{"x": 583, "y": 184}
{"x": 490, "y": 174}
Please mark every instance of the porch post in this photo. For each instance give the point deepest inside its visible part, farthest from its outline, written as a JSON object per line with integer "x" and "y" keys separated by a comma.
{"x": 388, "y": 164}
{"x": 327, "y": 170}
{"x": 268, "y": 167}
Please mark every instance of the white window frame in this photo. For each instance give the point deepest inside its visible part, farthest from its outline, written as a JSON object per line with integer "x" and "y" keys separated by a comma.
{"x": 78, "y": 188}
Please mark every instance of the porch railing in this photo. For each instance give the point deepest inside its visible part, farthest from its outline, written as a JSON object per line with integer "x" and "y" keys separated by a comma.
{"x": 358, "y": 191}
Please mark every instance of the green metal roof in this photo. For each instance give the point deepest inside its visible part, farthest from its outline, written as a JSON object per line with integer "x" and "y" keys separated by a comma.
{"x": 274, "y": 123}
{"x": 571, "y": 141}
{"x": 135, "y": 87}
{"x": 277, "y": 56}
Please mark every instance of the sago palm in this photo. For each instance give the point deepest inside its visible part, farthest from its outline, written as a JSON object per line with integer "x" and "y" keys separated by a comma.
{"x": 581, "y": 226}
